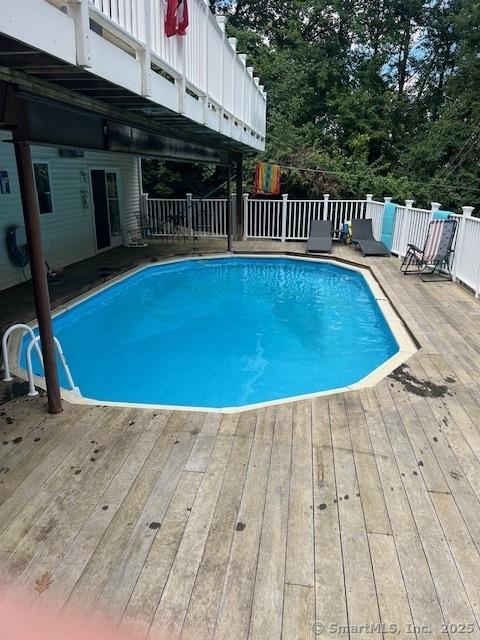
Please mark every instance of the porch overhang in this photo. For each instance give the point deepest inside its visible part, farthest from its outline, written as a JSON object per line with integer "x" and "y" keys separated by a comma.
{"x": 41, "y": 115}
{"x": 43, "y": 39}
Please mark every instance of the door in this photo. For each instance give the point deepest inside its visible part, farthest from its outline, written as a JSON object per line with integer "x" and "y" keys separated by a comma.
{"x": 106, "y": 205}
{"x": 100, "y": 208}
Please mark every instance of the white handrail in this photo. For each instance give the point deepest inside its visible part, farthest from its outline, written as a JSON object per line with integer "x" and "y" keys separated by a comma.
{"x": 6, "y": 365}
{"x": 31, "y": 390}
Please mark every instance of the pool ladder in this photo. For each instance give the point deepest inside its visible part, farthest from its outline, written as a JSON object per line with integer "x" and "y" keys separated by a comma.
{"x": 33, "y": 344}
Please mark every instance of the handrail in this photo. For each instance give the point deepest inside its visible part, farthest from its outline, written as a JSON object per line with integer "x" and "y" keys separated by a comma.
{"x": 32, "y": 391}
{"x": 6, "y": 364}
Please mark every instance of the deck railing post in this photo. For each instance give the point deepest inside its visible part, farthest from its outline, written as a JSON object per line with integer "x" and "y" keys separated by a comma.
{"x": 435, "y": 206}
{"x": 206, "y": 65}
{"x": 245, "y": 216}
{"x": 180, "y": 80}
{"x": 233, "y": 43}
{"x": 368, "y": 205}
{"x": 143, "y": 54}
{"x": 326, "y": 196}
{"x": 221, "y": 21}
{"x": 405, "y": 229}
{"x": 284, "y": 216}
{"x": 459, "y": 246}
{"x": 79, "y": 11}
{"x": 243, "y": 60}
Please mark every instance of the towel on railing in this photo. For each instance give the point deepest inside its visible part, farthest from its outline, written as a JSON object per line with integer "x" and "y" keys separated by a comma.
{"x": 176, "y": 18}
{"x": 388, "y": 224}
{"x": 267, "y": 178}
{"x": 441, "y": 215}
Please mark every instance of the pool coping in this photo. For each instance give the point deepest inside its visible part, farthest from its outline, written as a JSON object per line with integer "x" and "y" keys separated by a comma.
{"x": 405, "y": 339}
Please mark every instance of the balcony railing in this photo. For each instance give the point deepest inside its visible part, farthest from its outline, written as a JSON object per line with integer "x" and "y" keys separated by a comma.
{"x": 202, "y": 65}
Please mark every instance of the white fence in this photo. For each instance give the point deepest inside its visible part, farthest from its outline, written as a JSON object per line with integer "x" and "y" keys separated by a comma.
{"x": 190, "y": 216}
{"x": 289, "y": 220}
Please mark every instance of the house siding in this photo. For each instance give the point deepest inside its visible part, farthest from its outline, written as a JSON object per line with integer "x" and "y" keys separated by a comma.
{"x": 68, "y": 232}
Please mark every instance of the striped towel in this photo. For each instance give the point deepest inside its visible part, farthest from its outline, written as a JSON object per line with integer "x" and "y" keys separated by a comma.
{"x": 267, "y": 178}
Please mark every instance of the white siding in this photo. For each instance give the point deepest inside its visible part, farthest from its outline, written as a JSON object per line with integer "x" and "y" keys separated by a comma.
{"x": 68, "y": 232}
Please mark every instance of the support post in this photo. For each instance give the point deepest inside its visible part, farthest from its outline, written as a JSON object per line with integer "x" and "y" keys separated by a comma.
{"x": 31, "y": 215}
{"x": 229, "y": 208}
{"x": 239, "y": 198}
{"x": 189, "y": 219}
{"x": 435, "y": 206}
{"x": 245, "y": 216}
{"x": 284, "y": 216}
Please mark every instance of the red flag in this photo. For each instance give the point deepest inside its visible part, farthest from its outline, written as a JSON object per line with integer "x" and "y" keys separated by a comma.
{"x": 176, "y": 18}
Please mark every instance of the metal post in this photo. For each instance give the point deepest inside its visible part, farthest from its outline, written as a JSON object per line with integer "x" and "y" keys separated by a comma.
{"x": 31, "y": 216}
{"x": 229, "y": 208}
{"x": 239, "y": 198}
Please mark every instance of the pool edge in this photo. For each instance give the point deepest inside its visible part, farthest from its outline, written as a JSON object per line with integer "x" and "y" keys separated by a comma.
{"x": 404, "y": 337}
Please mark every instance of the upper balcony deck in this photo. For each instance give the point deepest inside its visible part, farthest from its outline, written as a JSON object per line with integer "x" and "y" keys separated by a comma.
{"x": 116, "y": 51}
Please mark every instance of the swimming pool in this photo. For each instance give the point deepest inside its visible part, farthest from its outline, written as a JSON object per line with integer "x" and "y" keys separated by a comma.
{"x": 224, "y": 332}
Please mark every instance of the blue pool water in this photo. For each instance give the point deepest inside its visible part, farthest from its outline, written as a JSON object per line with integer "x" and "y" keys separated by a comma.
{"x": 224, "y": 332}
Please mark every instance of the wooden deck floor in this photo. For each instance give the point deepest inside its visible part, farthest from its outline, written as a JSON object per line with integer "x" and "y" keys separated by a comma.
{"x": 355, "y": 510}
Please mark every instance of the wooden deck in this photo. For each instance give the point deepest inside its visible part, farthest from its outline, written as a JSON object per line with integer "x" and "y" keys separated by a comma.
{"x": 355, "y": 510}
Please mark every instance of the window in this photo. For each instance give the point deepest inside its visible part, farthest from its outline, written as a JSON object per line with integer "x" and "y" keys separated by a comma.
{"x": 113, "y": 203}
{"x": 42, "y": 182}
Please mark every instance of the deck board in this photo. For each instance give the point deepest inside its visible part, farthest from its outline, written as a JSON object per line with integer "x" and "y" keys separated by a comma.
{"x": 361, "y": 508}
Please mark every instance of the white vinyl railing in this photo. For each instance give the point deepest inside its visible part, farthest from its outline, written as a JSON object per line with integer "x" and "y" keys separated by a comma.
{"x": 290, "y": 219}
{"x": 284, "y": 219}
{"x": 466, "y": 264}
{"x": 263, "y": 219}
{"x": 411, "y": 227}
{"x": 204, "y": 61}
{"x": 186, "y": 217}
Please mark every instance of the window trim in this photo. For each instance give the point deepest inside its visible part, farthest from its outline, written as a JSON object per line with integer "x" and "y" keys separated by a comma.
{"x": 50, "y": 182}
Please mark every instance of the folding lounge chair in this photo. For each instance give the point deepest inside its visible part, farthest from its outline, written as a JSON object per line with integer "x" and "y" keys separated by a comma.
{"x": 320, "y": 238}
{"x": 436, "y": 253}
{"x": 362, "y": 235}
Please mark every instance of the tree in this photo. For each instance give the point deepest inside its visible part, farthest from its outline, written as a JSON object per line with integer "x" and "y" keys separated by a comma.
{"x": 380, "y": 95}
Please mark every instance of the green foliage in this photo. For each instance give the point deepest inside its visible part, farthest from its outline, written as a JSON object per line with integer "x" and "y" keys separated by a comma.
{"x": 383, "y": 96}
{"x": 165, "y": 179}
